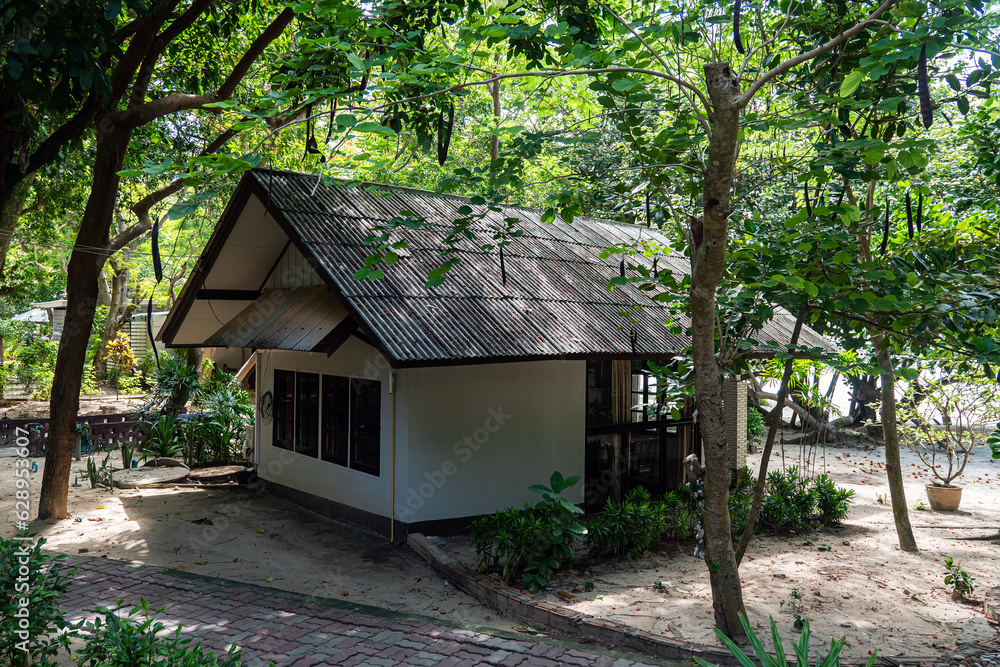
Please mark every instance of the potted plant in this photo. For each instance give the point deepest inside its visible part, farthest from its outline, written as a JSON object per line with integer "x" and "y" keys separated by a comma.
{"x": 943, "y": 421}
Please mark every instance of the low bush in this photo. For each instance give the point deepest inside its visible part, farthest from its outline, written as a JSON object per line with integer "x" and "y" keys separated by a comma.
{"x": 131, "y": 641}
{"x": 629, "y": 527}
{"x": 833, "y": 502}
{"x": 791, "y": 502}
{"x": 788, "y": 502}
{"x": 534, "y": 541}
{"x": 640, "y": 523}
{"x": 28, "y": 575}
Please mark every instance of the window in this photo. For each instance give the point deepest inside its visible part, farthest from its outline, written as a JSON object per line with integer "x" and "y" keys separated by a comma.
{"x": 307, "y": 414}
{"x": 366, "y": 411}
{"x": 284, "y": 409}
{"x": 643, "y": 393}
{"x": 335, "y": 418}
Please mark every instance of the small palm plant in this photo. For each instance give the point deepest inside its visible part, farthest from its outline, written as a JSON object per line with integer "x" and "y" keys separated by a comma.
{"x": 765, "y": 659}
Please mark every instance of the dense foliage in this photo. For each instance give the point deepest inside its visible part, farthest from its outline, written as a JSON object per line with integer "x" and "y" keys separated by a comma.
{"x": 532, "y": 542}
{"x": 41, "y": 588}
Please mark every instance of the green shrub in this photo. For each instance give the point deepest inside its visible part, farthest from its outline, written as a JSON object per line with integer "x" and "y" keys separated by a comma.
{"x": 640, "y": 523}
{"x": 131, "y": 641}
{"x": 34, "y": 365}
{"x": 755, "y": 424}
{"x": 42, "y": 586}
{"x": 679, "y": 514}
{"x": 162, "y": 436}
{"x": 833, "y": 503}
{"x": 534, "y": 541}
{"x": 788, "y": 502}
{"x": 629, "y": 527}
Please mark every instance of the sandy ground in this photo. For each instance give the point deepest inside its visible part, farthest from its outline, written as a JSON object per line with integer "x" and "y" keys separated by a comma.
{"x": 863, "y": 587}
{"x": 90, "y": 405}
{"x": 252, "y": 537}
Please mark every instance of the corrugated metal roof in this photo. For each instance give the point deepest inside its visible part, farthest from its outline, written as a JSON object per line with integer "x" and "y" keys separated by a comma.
{"x": 555, "y": 302}
{"x": 283, "y": 319}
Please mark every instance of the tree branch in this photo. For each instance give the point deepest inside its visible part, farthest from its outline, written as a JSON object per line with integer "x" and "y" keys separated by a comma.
{"x": 149, "y": 111}
{"x": 155, "y": 50}
{"x": 666, "y": 68}
{"x": 780, "y": 69}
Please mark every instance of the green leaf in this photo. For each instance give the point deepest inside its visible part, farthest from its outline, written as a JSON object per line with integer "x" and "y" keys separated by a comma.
{"x": 346, "y": 120}
{"x": 851, "y": 83}
{"x": 622, "y": 85}
{"x": 356, "y": 62}
{"x": 112, "y": 10}
{"x": 369, "y": 126}
{"x": 556, "y": 482}
{"x": 954, "y": 82}
{"x": 963, "y": 104}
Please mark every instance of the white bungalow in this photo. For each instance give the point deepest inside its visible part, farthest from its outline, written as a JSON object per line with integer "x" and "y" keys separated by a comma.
{"x": 403, "y": 409}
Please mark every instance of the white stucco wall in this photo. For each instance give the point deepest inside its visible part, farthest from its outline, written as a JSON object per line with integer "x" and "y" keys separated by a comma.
{"x": 314, "y": 475}
{"x": 478, "y": 436}
{"x": 469, "y": 439}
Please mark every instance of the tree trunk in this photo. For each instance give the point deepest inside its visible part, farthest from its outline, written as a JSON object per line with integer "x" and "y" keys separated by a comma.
{"x": 708, "y": 261}
{"x": 178, "y": 400}
{"x": 773, "y": 419}
{"x": 81, "y": 302}
{"x": 113, "y": 324}
{"x": 893, "y": 467}
{"x": 11, "y": 204}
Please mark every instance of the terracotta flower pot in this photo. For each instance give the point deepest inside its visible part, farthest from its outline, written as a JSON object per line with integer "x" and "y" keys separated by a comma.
{"x": 944, "y": 498}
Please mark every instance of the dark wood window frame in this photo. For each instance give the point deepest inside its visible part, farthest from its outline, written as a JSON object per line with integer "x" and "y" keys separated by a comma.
{"x": 348, "y": 433}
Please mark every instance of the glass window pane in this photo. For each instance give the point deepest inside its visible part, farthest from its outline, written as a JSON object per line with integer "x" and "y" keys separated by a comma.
{"x": 307, "y": 414}
{"x": 283, "y": 409}
{"x": 336, "y": 418}
{"x": 366, "y": 418}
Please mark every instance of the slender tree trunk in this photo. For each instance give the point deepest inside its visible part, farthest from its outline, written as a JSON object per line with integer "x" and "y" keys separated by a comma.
{"x": 708, "y": 262}
{"x": 81, "y": 302}
{"x": 113, "y": 324}
{"x": 773, "y": 419}
{"x": 179, "y": 399}
{"x": 893, "y": 466}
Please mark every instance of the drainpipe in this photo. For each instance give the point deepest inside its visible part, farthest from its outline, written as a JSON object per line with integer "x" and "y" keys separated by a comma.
{"x": 392, "y": 491}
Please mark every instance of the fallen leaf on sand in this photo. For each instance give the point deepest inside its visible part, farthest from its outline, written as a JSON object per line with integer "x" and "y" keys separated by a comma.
{"x": 201, "y": 562}
{"x": 344, "y": 594}
{"x": 260, "y": 530}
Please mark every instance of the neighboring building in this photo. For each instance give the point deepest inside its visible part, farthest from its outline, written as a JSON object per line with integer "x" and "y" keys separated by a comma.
{"x": 56, "y": 311}
{"x": 382, "y": 400}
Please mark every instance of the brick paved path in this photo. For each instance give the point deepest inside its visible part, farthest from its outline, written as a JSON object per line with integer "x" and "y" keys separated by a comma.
{"x": 293, "y": 629}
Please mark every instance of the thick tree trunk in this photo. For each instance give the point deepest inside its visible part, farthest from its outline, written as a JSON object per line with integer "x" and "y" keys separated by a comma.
{"x": 708, "y": 261}
{"x": 893, "y": 467}
{"x": 81, "y": 302}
